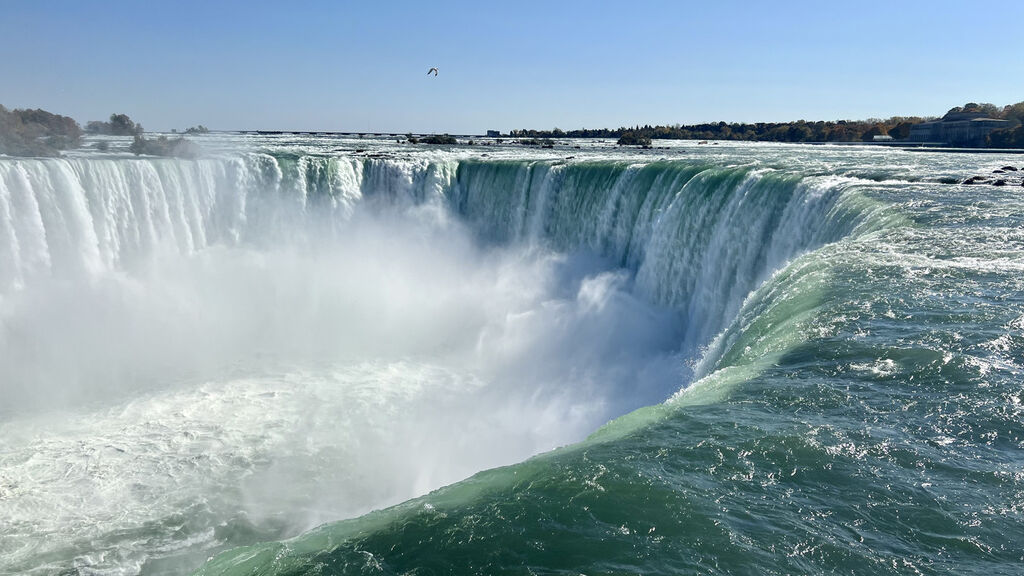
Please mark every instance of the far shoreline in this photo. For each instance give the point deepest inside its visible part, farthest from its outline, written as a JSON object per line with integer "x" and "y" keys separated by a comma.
{"x": 505, "y": 139}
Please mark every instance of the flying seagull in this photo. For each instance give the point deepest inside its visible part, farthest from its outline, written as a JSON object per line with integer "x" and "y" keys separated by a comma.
{"x": 434, "y": 70}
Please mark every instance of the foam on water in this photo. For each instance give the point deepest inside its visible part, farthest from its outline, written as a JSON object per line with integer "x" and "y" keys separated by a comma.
{"x": 196, "y": 355}
{"x": 162, "y": 400}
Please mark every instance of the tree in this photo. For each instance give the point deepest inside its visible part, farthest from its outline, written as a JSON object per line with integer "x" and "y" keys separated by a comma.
{"x": 36, "y": 132}
{"x": 875, "y": 130}
{"x": 901, "y": 131}
{"x": 990, "y": 110}
{"x": 119, "y": 125}
{"x": 1007, "y": 138}
{"x": 1014, "y": 113}
{"x": 162, "y": 146}
{"x": 798, "y": 133}
{"x": 97, "y": 127}
{"x": 631, "y": 138}
{"x": 122, "y": 125}
{"x": 435, "y": 139}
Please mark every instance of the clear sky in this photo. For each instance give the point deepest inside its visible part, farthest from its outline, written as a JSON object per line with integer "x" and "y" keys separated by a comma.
{"x": 361, "y": 66}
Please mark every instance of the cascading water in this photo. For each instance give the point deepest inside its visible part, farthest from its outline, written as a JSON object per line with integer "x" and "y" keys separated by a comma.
{"x": 698, "y": 238}
{"x": 693, "y": 238}
{"x": 198, "y": 355}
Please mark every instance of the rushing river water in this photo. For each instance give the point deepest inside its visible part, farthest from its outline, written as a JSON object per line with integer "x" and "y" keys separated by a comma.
{"x": 314, "y": 355}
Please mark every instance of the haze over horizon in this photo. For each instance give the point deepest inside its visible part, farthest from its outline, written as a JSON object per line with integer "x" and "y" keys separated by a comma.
{"x": 351, "y": 67}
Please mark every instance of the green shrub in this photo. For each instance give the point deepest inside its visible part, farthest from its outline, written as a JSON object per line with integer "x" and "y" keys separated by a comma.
{"x": 36, "y": 133}
{"x": 163, "y": 146}
{"x": 634, "y": 139}
{"x": 119, "y": 125}
{"x": 1007, "y": 138}
{"x": 435, "y": 139}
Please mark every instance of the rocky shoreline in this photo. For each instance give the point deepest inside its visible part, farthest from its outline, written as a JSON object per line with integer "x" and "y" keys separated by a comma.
{"x": 1005, "y": 176}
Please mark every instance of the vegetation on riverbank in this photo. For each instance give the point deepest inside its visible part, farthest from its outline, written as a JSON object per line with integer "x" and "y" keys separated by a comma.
{"x": 26, "y": 132}
{"x": 434, "y": 139}
{"x": 442, "y": 139}
{"x": 164, "y": 146}
{"x": 1010, "y": 138}
{"x": 898, "y": 127}
{"x": 633, "y": 139}
{"x": 119, "y": 125}
{"x": 41, "y": 133}
{"x": 799, "y": 131}
{"x": 36, "y": 133}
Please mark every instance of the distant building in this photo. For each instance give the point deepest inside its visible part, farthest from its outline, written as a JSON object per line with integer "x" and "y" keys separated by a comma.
{"x": 493, "y": 133}
{"x": 957, "y": 129}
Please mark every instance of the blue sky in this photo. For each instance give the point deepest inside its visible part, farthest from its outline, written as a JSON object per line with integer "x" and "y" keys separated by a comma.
{"x": 361, "y": 66}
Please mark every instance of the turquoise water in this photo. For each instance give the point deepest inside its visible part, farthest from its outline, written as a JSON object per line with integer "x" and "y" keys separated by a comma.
{"x": 296, "y": 358}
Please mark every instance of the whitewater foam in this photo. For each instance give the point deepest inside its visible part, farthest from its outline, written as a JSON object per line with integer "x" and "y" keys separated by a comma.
{"x": 198, "y": 354}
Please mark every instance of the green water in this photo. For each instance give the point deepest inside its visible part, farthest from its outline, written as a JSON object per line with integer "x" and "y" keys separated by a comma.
{"x": 863, "y": 415}
{"x": 747, "y": 359}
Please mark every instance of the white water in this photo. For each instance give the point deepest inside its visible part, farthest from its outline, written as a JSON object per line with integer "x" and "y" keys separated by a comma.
{"x": 165, "y": 359}
{"x": 190, "y": 348}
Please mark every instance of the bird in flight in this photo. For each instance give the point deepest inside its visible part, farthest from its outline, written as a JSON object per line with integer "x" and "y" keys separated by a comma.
{"x": 434, "y": 70}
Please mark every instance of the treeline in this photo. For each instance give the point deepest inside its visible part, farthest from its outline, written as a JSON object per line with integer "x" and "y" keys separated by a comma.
{"x": 41, "y": 133}
{"x": 898, "y": 127}
{"x": 1012, "y": 112}
{"x": 37, "y": 133}
{"x": 119, "y": 125}
{"x": 1013, "y": 136}
{"x": 1008, "y": 138}
{"x": 435, "y": 139}
{"x": 163, "y": 146}
{"x": 122, "y": 125}
{"x": 798, "y": 131}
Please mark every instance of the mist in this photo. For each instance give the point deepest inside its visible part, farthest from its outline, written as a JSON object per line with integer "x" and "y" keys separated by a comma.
{"x": 284, "y": 385}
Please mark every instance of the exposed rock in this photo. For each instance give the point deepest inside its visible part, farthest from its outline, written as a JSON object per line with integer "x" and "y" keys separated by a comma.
{"x": 999, "y": 183}
{"x": 1008, "y": 169}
